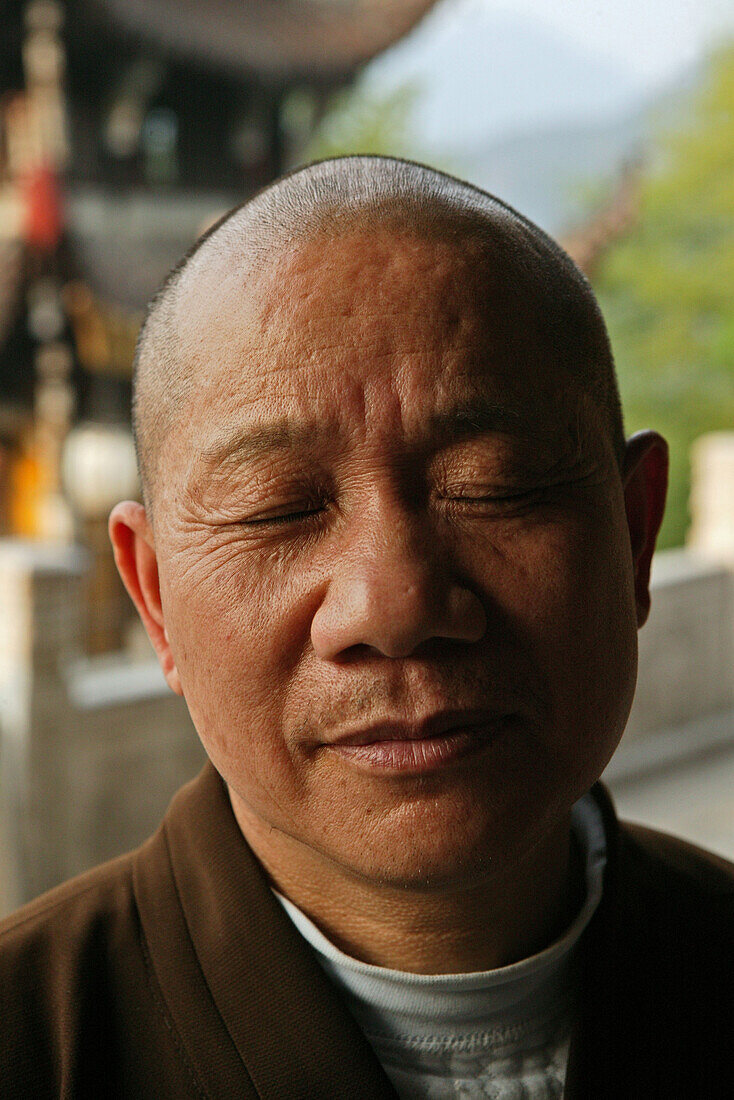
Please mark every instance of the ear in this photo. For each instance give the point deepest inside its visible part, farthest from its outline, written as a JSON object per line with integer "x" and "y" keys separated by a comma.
{"x": 132, "y": 541}
{"x": 645, "y": 480}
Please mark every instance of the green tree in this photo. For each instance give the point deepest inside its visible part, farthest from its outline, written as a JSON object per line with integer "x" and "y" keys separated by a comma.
{"x": 667, "y": 288}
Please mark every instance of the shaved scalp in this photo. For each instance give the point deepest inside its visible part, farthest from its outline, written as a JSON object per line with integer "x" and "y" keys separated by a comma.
{"x": 328, "y": 199}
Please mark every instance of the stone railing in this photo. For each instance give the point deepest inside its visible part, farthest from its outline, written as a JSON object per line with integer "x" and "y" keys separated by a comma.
{"x": 91, "y": 749}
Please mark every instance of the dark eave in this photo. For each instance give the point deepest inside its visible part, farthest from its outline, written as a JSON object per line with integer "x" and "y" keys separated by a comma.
{"x": 281, "y": 40}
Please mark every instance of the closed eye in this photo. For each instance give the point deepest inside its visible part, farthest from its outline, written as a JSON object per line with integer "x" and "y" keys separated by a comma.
{"x": 490, "y": 496}
{"x": 472, "y": 496}
{"x": 474, "y": 503}
{"x": 283, "y": 518}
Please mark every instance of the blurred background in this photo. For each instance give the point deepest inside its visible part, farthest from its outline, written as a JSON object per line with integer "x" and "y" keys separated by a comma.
{"x": 128, "y": 126}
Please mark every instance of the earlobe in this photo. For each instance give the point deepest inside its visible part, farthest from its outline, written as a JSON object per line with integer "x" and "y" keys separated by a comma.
{"x": 645, "y": 480}
{"x": 134, "y": 548}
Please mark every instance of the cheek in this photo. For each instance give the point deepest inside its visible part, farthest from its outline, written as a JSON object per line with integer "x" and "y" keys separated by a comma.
{"x": 564, "y": 592}
{"x": 238, "y": 631}
{"x": 570, "y": 577}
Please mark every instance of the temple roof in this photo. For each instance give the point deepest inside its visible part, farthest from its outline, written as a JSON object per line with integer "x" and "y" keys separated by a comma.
{"x": 276, "y": 39}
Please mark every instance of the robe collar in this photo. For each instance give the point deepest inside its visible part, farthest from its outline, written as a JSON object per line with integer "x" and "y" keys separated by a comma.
{"x": 251, "y": 1008}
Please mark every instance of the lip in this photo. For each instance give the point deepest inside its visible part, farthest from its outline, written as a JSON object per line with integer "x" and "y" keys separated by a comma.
{"x": 395, "y": 747}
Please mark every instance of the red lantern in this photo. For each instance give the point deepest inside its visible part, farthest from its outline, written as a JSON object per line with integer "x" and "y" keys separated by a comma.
{"x": 43, "y": 216}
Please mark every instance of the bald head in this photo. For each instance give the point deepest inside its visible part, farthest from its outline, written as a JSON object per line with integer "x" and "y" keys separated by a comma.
{"x": 329, "y": 200}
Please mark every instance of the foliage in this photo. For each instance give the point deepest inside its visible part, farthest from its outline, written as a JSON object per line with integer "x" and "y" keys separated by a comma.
{"x": 667, "y": 288}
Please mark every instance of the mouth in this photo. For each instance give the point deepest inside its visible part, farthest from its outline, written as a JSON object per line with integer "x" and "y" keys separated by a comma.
{"x": 402, "y": 748}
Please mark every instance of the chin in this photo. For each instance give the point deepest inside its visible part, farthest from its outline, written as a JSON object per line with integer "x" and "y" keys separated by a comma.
{"x": 456, "y": 848}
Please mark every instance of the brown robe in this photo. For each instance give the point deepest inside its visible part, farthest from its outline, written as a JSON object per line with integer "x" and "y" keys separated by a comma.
{"x": 174, "y": 972}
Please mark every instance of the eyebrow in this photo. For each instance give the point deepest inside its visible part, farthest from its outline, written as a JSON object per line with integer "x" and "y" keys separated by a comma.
{"x": 464, "y": 421}
{"x": 258, "y": 439}
{"x": 475, "y": 417}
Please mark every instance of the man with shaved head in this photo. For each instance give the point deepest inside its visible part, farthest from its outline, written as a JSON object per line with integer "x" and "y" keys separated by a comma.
{"x": 393, "y": 551}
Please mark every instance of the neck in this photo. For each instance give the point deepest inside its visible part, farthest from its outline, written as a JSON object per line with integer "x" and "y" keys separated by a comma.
{"x": 456, "y": 928}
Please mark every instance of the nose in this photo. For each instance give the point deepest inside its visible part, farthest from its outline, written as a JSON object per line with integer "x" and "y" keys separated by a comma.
{"x": 392, "y": 589}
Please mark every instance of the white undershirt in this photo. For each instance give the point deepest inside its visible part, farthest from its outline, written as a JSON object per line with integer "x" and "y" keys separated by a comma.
{"x": 501, "y": 1034}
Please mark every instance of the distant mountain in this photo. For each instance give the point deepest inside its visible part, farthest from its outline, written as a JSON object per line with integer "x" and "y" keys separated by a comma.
{"x": 554, "y": 174}
{"x": 551, "y": 174}
{"x": 482, "y": 75}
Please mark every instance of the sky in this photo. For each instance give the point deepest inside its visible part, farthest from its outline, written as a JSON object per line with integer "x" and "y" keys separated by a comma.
{"x": 654, "y": 39}
{"x": 481, "y": 70}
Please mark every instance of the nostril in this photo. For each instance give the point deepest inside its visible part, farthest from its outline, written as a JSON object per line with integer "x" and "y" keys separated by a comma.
{"x": 354, "y": 654}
